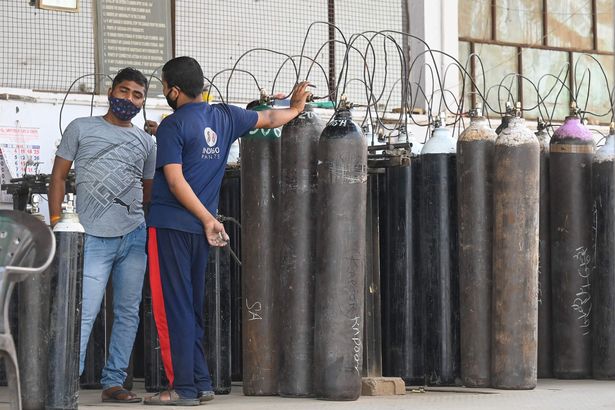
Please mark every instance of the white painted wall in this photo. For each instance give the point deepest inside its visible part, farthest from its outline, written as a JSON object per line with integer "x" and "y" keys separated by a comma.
{"x": 436, "y": 22}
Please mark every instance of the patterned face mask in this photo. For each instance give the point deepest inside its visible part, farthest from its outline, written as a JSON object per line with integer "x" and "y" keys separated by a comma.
{"x": 123, "y": 108}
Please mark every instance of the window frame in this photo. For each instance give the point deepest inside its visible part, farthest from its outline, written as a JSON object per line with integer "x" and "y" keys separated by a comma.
{"x": 542, "y": 46}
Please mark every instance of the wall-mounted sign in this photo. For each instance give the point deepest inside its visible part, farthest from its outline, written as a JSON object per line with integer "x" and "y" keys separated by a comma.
{"x": 133, "y": 33}
{"x": 61, "y": 5}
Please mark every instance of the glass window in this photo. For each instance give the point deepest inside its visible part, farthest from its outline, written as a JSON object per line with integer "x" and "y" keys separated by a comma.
{"x": 525, "y": 24}
{"x": 475, "y": 19}
{"x": 519, "y": 21}
{"x": 498, "y": 62}
{"x": 592, "y": 92}
{"x": 537, "y": 64}
{"x": 569, "y": 23}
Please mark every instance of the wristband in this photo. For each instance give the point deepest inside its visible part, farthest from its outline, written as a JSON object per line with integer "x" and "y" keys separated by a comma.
{"x": 55, "y": 219}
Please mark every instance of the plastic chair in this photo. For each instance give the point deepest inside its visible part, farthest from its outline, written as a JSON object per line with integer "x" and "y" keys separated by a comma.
{"x": 27, "y": 247}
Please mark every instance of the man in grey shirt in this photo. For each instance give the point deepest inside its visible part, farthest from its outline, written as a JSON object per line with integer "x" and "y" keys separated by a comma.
{"x": 114, "y": 167}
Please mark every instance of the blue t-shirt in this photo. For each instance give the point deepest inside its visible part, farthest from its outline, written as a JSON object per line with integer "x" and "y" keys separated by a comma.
{"x": 198, "y": 136}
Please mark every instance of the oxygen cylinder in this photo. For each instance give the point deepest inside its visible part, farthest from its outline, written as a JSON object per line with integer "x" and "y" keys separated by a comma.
{"x": 230, "y": 207}
{"x": 65, "y": 323}
{"x": 418, "y": 319}
{"x": 545, "y": 339}
{"x": 475, "y": 150}
{"x": 515, "y": 258}
{"x": 298, "y": 252}
{"x": 385, "y": 266}
{"x": 505, "y": 118}
{"x": 33, "y": 323}
{"x": 372, "y": 316}
{"x": 260, "y": 180}
{"x": 570, "y": 168}
{"x": 604, "y": 282}
{"x": 153, "y": 368}
{"x": 372, "y": 310}
{"x": 438, "y": 257}
{"x": 402, "y": 355}
{"x": 339, "y": 279}
{"x": 217, "y": 319}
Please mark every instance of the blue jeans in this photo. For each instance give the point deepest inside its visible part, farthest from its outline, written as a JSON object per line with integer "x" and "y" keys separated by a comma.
{"x": 124, "y": 258}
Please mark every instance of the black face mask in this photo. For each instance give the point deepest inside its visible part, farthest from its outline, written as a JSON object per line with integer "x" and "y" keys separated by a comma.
{"x": 172, "y": 103}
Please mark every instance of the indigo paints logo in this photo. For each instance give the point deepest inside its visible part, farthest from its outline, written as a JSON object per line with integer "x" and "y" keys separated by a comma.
{"x": 211, "y": 139}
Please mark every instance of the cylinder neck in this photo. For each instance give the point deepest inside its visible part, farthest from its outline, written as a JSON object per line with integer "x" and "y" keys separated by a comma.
{"x": 69, "y": 220}
{"x": 478, "y": 120}
{"x": 343, "y": 114}
{"x": 516, "y": 122}
{"x": 68, "y": 206}
{"x": 476, "y": 112}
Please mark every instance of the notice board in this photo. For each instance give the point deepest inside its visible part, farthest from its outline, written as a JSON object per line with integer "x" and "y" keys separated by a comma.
{"x": 133, "y": 33}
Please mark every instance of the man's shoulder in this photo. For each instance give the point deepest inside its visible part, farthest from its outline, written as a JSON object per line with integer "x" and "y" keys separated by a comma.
{"x": 232, "y": 112}
{"x": 81, "y": 123}
{"x": 86, "y": 121}
{"x": 226, "y": 108}
{"x": 140, "y": 132}
{"x": 173, "y": 120}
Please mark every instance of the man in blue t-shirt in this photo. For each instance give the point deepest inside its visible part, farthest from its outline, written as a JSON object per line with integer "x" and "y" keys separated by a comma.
{"x": 192, "y": 148}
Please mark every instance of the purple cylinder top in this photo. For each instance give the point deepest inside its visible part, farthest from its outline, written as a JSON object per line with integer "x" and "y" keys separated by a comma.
{"x": 572, "y": 128}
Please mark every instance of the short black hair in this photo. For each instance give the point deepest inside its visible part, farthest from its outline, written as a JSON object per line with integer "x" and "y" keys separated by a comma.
{"x": 184, "y": 73}
{"x": 130, "y": 74}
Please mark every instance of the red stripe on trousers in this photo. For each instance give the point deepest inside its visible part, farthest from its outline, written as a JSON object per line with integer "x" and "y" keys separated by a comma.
{"x": 160, "y": 315}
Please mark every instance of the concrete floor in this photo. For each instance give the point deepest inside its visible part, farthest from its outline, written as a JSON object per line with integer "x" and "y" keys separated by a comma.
{"x": 550, "y": 394}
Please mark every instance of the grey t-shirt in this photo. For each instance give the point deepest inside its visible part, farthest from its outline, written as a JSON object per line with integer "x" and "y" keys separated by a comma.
{"x": 110, "y": 162}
